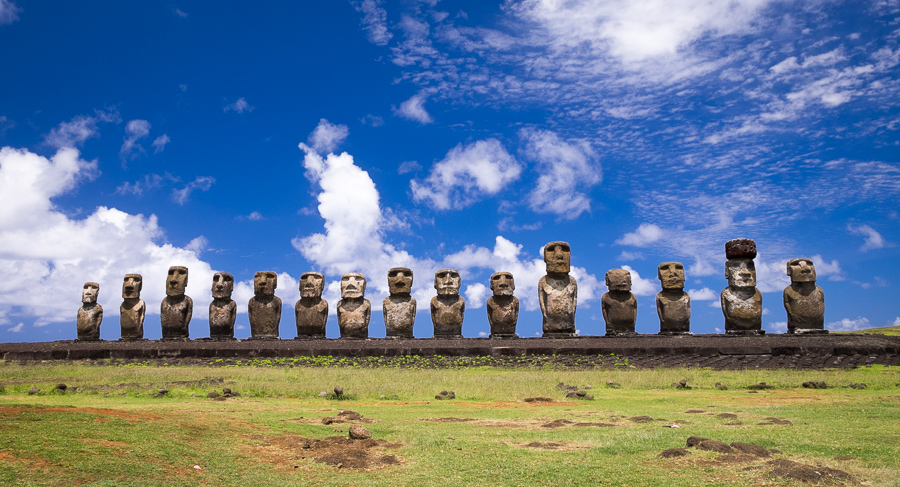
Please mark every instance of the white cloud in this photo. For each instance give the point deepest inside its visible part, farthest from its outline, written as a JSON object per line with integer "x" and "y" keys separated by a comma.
{"x": 372, "y": 120}
{"x": 705, "y": 294}
{"x": 47, "y": 255}
{"x": 625, "y": 255}
{"x": 475, "y": 294}
{"x": 239, "y": 106}
{"x": 830, "y": 269}
{"x": 641, "y": 286}
{"x": 180, "y": 13}
{"x": 408, "y": 166}
{"x": 873, "y": 239}
{"x": 896, "y": 322}
{"x": 160, "y": 143}
{"x": 255, "y": 216}
{"x": 76, "y": 131}
{"x": 374, "y": 21}
{"x": 134, "y": 130}
{"x": 847, "y": 324}
{"x": 645, "y": 234}
{"x": 147, "y": 183}
{"x": 203, "y": 183}
{"x": 777, "y": 327}
{"x": 466, "y": 174}
{"x": 18, "y": 328}
{"x": 482, "y": 333}
{"x": 414, "y": 109}
{"x": 567, "y": 171}
{"x": 327, "y": 136}
{"x": 9, "y": 12}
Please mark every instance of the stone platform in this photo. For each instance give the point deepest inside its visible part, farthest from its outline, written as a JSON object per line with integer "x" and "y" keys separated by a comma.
{"x": 715, "y": 351}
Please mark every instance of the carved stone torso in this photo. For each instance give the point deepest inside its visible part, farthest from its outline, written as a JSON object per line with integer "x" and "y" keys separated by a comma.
{"x": 674, "y": 309}
{"x": 399, "y": 315}
{"x": 447, "y": 313}
{"x": 558, "y": 298}
{"x": 619, "y": 312}
{"x": 353, "y": 317}
{"x": 265, "y": 315}
{"x": 742, "y": 308}
{"x": 222, "y": 313}
{"x": 88, "y": 323}
{"x": 503, "y": 314}
{"x": 131, "y": 318}
{"x": 311, "y": 315}
{"x": 805, "y": 306}
{"x": 175, "y": 316}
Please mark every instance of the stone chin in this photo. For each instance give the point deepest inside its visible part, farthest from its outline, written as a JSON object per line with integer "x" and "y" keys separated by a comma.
{"x": 175, "y": 291}
{"x": 448, "y": 291}
{"x": 399, "y": 287}
{"x": 310, "y": 292}
{"x": 672, "y": 283}
{"x": 558, "y": 267}
{"x": 352, "y": 293}
{"x": 221, "y": 294}
{"x": 742, "y": 282}
{"x": 503, "y": 292}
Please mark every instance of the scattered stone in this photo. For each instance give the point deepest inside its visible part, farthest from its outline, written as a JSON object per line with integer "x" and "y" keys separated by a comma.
{"x": 33, "y": 391}
{"x": 751, "y": 449}
{"x": 695, "y": 440}
{"x": 322, "y": 394}
{"x": 815, "y": 385}
{"x": 727, "y": 416}
{"x": 716, "y": 446}
{"x": 338, "y": 391}
{"x": 73, "y": 389}
{"x": 537, "y": 399}
{"x": 854, "y": 385}
{"x": 613, "y": 385}
{"x": 805, "y": 473}
{"x": 212, "y": 394}
{"x": 587, "y": 386}
{"x": 721, "y": 386}
{"x": 226, "y": 392}
{"x": 674, "y": 452}
{"x": 61, "y": 387}
{"x": 445, "y": 395}
{"x": 682, "y": 384}
{"x": 640, "y": 419}
{"x": 761, "y": 386}
{"x": 357, "y": 432}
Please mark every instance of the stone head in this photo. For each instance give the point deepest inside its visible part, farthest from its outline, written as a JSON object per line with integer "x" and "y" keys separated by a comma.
{"x": 176, "y": 281}
{"x": 671, "y": 275}
{"x": 312, "y": 284}
{"x": 353, "y": 285}
{"x": 90, "y": 292}
{"x": 801, "y": 270}
{"x": 558, "y": 256}
{"x": 503, "y": 284}
{"x": 264, "y": 283}
{"x": 740, "y": 272}
{"x": 131, "y": 287}
{"x": 618, "y": 280}
{"x": 447, "y": 282}
{"x": 222, "y": 285}
{"x": 400, "y": 280}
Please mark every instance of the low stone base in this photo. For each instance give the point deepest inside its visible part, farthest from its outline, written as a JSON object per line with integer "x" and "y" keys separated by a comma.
{"x": 745, "y": 333}
{"x": 175, "y": 339}
{"x": 217, "y": 339}
{"x": 503, "y": 336}
{"x": 400, "y": 337}
{"x": 559, "y": 334}
{"x": 130, "y": 339}
{"x": 87, "y": 340}
{"x": 264, "y": 338}
{"x": 807, "y": 331}
{"x": 447, "y": 337}
{"x": 310, "y": 337}
{"x": 621, "y": 334}
{"x": 353, "y": 338}
{"x": 675, "y": 333}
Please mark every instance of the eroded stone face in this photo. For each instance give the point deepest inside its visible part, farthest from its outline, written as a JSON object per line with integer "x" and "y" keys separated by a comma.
{"x": 503, "y": 284}
{"x": 133, "y": 309}
{"x": 90, "y": 292}
{"x": 400, "y": 280}
{"x": 801, "y": 270}
{"x": 131, "y": 287}
{"x": 671, "y": 275}
{"x": 804, "y": 302}
{"x": 741, "y": 301}
{"x": 176, "y": 281}
{"x": 503, "y": 307}
{"x": 447, "y": 282}
{"x": 618, "y": 280}
{"x": 740, "y": 273}
{"x": 264, "y": 308}
{"x": 557, "y": 256}
{"x": 353, "y": 310}
{"x": 265, "y": 283}
{"x": 90, "y": 314}
{"x": 222, "y": 285}
{"x": 619, "y": 305}
{"x": 353, "y": 285}
{"x": 312, "y": 284}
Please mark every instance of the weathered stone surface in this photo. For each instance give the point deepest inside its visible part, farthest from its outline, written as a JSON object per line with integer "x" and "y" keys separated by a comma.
{"x": 176, "y": 309}
{"x": 90, "y": 314}
{"x": 558, "y": 292}
{"x": 673, "y": 305}
{"x": 353, "y": 310}
{"x": 503, "y": 307}
{"x": 133, "y": 309}
{"x": 741, "y": 301}
{"x": 448, "y": 308}
{"x": 222, "y": 309}
{"x": 311, "y": 311}
{"x": 400, "y": 307}
{"x": 803, "y": 300}
{"x": 264, "y": 308}
{"x": 357, "y": 432}
{"x": 619, "y": 304}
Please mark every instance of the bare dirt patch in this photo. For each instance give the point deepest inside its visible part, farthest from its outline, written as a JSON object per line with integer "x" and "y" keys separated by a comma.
{"x": 674, "y": 453}
{"x": 727, "y": 416}
{"x": 449, "y": 420}
{"x": 546, "y": 446}
{"x": 805, "y": 473}
{"x": 337, "y": 451}
{"x": 775, "y": 421}
{"x": 126, "y": 415}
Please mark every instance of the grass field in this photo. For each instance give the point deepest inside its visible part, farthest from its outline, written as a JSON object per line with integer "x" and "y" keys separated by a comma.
{"x": 884, "y": 330}
{"x": 113, "y": 430}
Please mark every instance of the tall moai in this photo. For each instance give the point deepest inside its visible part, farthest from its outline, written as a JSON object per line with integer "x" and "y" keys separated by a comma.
{"x": 176, "y": 308}
{"x": 353, "y": 310}
{"x": 804, "y": 301}
{"x": 222, "y": 309}
{"x": 311, "y": 311}
{"x": 558, "y": 292}
{"x": 619, "y": 305}
{"x": 741, "y": 301}
{"x": 399, "y": 307}
{"x": 673, "y": 304}
{"x": 90, "y": 314}
{"x": 448, "y": 308}
{"x": 503, "y": 307}
{"x": 264, "y": 308}
{"x": 133, "y": 309}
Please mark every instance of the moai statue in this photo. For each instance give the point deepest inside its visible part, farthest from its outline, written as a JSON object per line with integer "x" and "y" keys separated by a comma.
{"x": 90, "y": 314}
{"x": 741, "y": 301}
{"x": 503, "y": 307}
{"x": 264, "y": 308}
{"x": 176, "y": 308}
{"x": 222, "y": 309}
{"x": 803, "y": 300}
{"x": 447, "y": 308}
{"x": 311, "y": 310}
{"x": 558, "y": 292}
{"x": 133, "y": 309}
{"x": 353, "y": 310}
{"x": 673, "y": 305}
{"x": 399, "y": 308}
{"x": 619, "y": 304}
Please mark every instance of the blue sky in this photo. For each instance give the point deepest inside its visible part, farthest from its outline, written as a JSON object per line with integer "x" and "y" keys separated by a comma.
{"x": 358, "y": 136}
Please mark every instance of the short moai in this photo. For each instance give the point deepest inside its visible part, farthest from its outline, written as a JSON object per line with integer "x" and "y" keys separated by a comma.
{"x": 222, "y": 309}
{"x": 673, "y": 304}
{"x": 741, "y": 301}
{"x": 503, "y": 307}
{"x": 176, "y": 308}
{"x": 264, "y": 308}
{"x": 619, "y": 305}
{"x": 804, "y": 301}
{"x": 133, "y": 309}
{"x": 399, "y": 307}
{"x": 558, "y": 292}
{"x": 448, "y": 308}
{"x": 311, "y": 311}
{"x": 353, "y": 310}
{"x": 90, "y": 314}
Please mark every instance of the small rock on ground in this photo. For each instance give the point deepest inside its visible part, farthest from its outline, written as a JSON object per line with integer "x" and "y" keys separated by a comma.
{"x": 357, "y": 432}
{"x": 674, "y": 452}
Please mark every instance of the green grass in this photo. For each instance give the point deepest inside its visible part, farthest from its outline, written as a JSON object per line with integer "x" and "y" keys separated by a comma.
{"x": 885, "y": 330}
{"x": 112, "y": 431}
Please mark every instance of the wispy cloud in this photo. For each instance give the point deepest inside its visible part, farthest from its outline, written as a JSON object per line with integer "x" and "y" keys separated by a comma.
{"x": 9, "y": 12}
{"x": 374, "y": 21}
{"x": 159, "y": 144}
{"x": 239, "y": 106}
{"x": 135, "y": 130}
{"x": 202, "y": 183}
{"x": 81, "y": 128}
{"x": 414, "y": 109}
{"x": 180, "y": 13}
{"x": 567, "y": 170}
{"x": 17, "y": 329}
{"x": 873, "y": 239}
